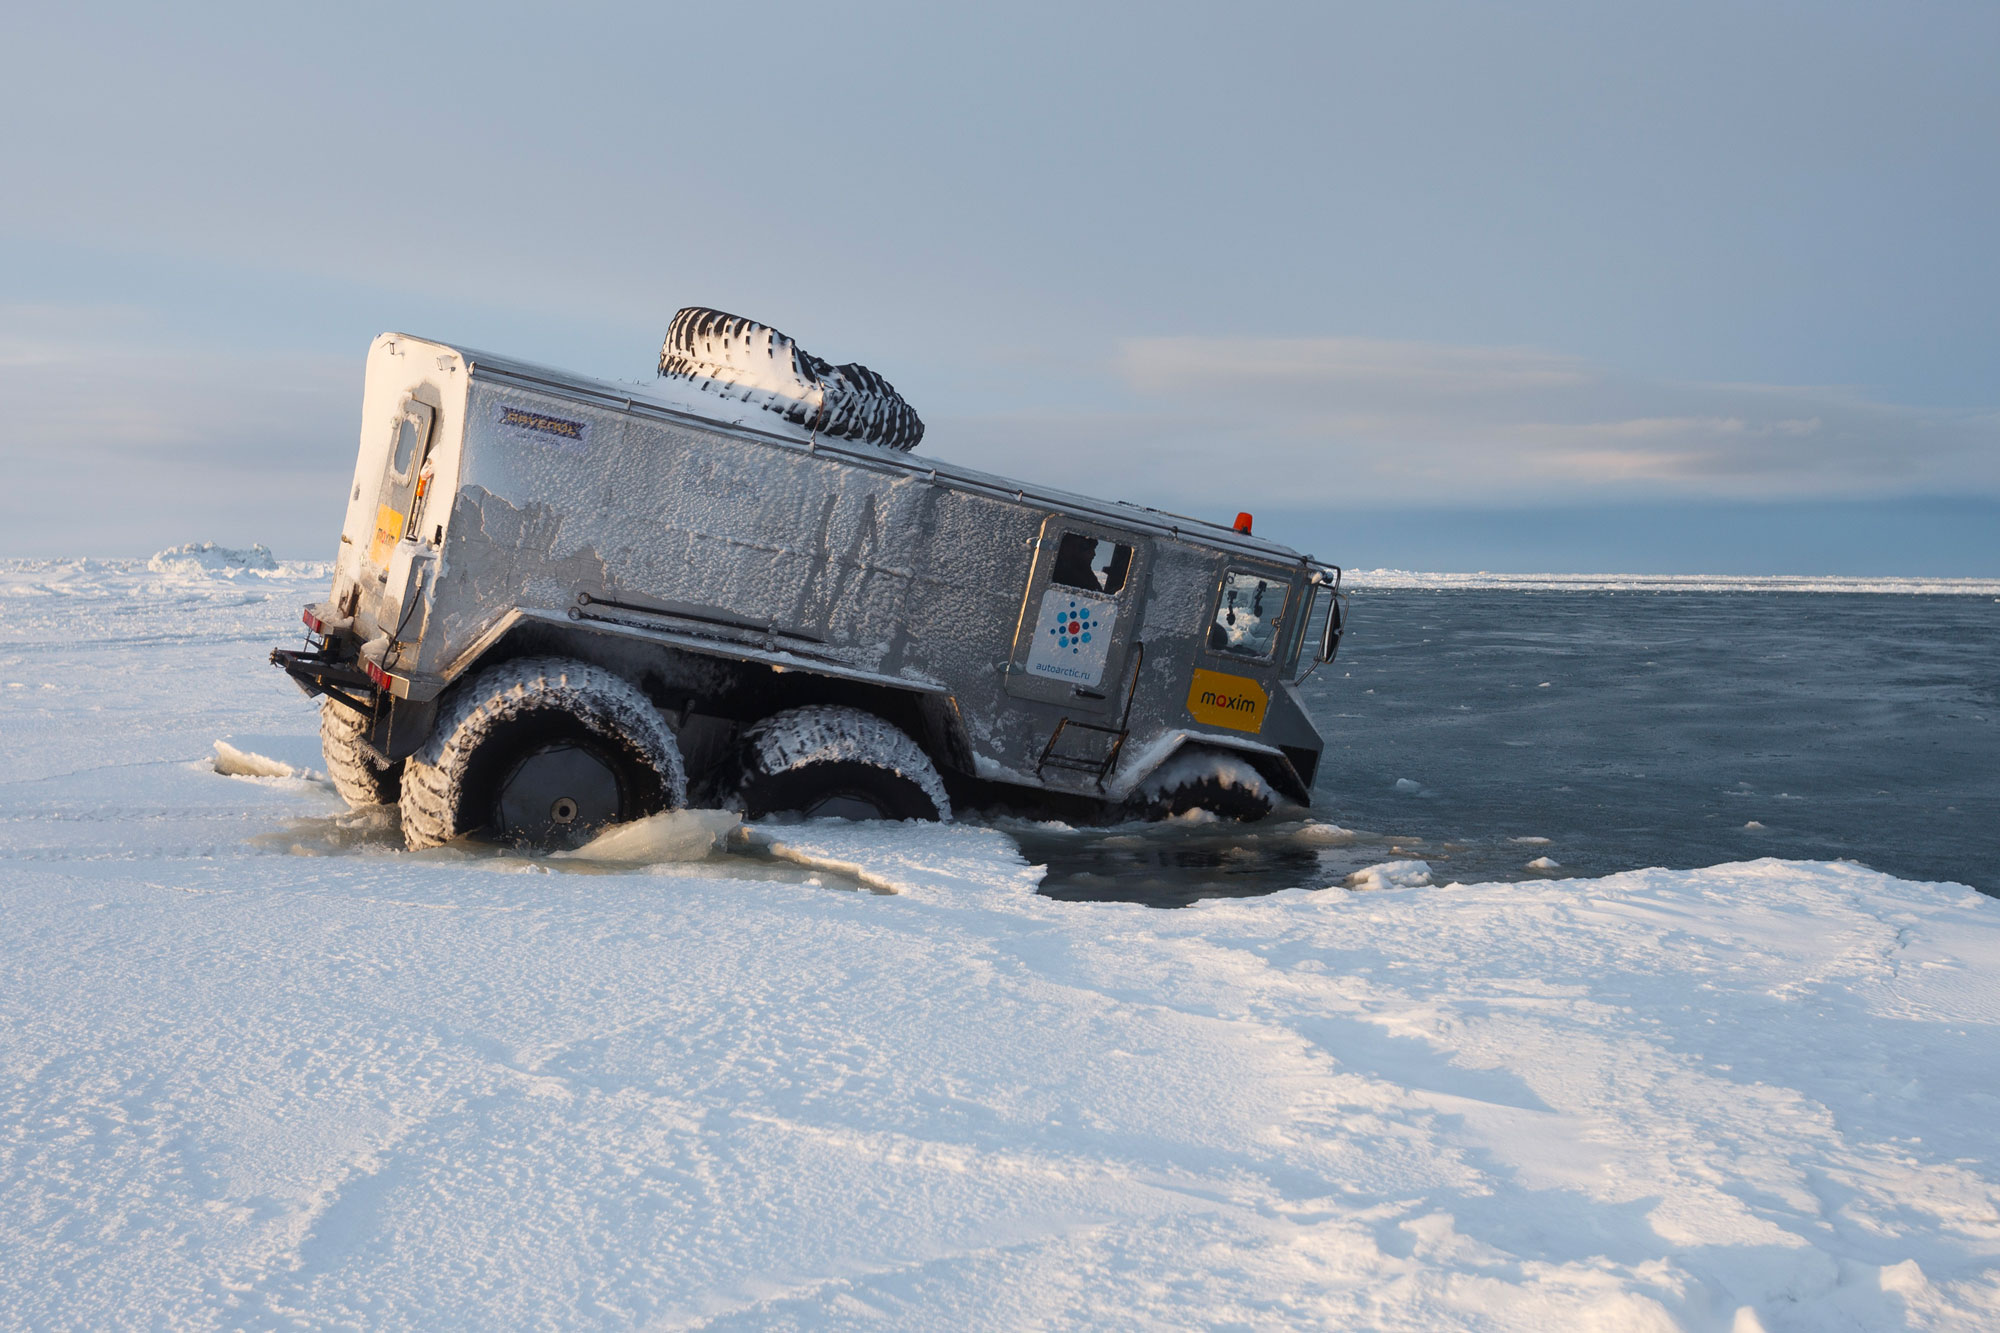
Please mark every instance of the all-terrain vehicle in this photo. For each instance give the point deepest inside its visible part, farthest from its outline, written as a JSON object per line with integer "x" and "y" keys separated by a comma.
{"x": 562, "y": 602}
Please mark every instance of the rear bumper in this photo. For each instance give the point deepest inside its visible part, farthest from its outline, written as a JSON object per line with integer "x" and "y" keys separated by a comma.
{"x": 321, "y": 671}
{"x": 396, "y": 726}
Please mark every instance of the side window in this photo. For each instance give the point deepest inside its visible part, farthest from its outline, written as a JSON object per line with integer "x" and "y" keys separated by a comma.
{"x": 406, "y": 448}
{"x": 1091, "y": 564}
{"x": 1247, "y": 615}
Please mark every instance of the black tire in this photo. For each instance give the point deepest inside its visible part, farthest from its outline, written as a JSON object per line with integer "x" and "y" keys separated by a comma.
{"x": 357, "y": 775}
{"x": 741, "y": 359}
{"x": 540, "y": 752}
{"x": 1223, "y": 785}
{"x": 825, "y": 760}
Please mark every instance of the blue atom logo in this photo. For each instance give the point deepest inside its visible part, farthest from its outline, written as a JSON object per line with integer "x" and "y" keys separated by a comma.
{"x": 1073, "y": 626}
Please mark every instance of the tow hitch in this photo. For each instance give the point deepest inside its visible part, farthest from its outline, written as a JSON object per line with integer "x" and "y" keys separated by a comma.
{"x": 319, "y": 671}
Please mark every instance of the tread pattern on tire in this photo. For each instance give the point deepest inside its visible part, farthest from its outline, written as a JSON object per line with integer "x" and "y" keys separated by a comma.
{"x": 360, "y": 780}
{"x": 434, "y": 778}
{"x": 1223, "y": 785}
{"x": 831, "y": 734}
{"x": 740, "y": 359}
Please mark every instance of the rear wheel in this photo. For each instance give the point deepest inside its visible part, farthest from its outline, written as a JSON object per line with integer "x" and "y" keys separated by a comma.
{"x": 361, "y": 779}
{"x": 540, "y": 752}
{"x": 826, "y": 761}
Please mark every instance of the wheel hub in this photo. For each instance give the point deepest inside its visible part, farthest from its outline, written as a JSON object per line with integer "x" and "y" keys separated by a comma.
{"x": 556, "y": 793}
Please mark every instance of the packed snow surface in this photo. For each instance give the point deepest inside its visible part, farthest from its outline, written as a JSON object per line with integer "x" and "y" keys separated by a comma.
{"x": 260, "y": 1069}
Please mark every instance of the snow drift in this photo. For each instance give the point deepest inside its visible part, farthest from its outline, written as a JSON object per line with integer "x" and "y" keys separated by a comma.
{"x": 208, "y": 558}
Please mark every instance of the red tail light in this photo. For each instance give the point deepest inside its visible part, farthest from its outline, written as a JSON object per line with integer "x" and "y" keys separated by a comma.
{"x": 313, "y": 622}
{"x": 375, "y": 673}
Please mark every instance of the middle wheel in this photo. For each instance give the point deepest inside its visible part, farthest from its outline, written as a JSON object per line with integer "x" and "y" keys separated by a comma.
{"x": 830, "y": 761}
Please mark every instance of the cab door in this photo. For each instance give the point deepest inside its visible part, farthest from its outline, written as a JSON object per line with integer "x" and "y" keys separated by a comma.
{"x": 1085, "y": 591}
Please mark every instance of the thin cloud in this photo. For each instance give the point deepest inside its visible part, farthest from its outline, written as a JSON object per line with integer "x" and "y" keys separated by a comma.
{"x": 1241, "y": 366}
{"x": 157, "y": 433}
{"x": 120, "y": 442}
{"x": 1325, "y": 421}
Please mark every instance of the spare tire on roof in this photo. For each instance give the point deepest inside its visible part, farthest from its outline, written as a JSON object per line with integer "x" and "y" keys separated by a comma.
{"x": 749, "y": 362}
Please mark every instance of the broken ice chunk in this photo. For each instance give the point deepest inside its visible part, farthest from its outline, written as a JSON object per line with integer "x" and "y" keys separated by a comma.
{"x": 1392, "y": 875}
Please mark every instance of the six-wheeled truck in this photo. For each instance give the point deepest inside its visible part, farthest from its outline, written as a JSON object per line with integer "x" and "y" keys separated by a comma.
{"x": 561, "y": 603}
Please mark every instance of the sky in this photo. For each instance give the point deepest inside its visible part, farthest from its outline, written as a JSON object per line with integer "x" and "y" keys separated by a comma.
{"x": 1707, "y": 288}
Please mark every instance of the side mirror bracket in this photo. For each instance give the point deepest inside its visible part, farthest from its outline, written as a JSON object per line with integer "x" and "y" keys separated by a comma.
{"x": 1336, "y": 625}
{"x": 1327, "y": 578}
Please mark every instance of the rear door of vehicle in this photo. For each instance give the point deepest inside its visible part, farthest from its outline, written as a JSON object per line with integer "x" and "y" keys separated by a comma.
{"x": 393, "y": 556}
{"x": 396, "y": 504}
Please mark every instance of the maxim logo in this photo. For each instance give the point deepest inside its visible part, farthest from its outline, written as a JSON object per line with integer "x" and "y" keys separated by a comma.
{"x": 1218, "y": 699}
{"x": 1241, "y": 703}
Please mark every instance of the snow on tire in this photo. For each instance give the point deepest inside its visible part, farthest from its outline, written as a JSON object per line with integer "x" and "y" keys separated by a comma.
{"x": 357, "y": 775}
{"x": 1203, "y": 781}
{"x": 829, "y": 760}
{"x": 749, "y": 362}
{"x": 540, "y": 751}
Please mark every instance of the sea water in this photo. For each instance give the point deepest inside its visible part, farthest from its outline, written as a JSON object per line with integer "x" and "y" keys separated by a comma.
{"x": 1626, "y": 728}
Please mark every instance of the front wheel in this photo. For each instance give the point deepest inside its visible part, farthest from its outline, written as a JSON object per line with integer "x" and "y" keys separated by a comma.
{"x": 1202, "y": 784}
{"x": 540, "y": 752}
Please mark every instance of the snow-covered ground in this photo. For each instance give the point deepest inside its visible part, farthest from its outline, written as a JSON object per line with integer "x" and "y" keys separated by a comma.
{"x": 259, "y": 1069}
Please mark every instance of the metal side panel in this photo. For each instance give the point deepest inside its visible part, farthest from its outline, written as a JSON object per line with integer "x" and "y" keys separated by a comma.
{"x": 626, "y": 625}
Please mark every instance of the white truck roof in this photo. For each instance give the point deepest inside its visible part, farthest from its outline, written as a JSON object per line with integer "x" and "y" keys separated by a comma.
{"x": 679, "y": 401}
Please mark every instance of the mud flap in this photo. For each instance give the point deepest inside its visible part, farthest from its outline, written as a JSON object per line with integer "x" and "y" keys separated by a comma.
{"x": 400, "y": 727}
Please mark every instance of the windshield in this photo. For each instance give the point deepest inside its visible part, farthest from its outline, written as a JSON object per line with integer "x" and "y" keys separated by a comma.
{"x": 1247, "y": 615}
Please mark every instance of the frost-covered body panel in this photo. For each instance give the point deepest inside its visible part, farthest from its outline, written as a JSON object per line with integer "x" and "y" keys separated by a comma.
{"x": 1041, "y": 639}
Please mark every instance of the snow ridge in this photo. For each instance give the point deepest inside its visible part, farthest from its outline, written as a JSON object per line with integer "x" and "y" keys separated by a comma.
{"x": 208, "y": 558}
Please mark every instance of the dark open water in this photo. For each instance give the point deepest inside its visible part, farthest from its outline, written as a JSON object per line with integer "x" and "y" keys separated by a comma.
{"x": 1630, "y": 729}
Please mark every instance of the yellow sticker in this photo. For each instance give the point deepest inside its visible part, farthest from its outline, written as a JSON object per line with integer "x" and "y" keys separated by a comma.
{"x": 388, "y": 528}
{"x": 1222, "y": 700}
